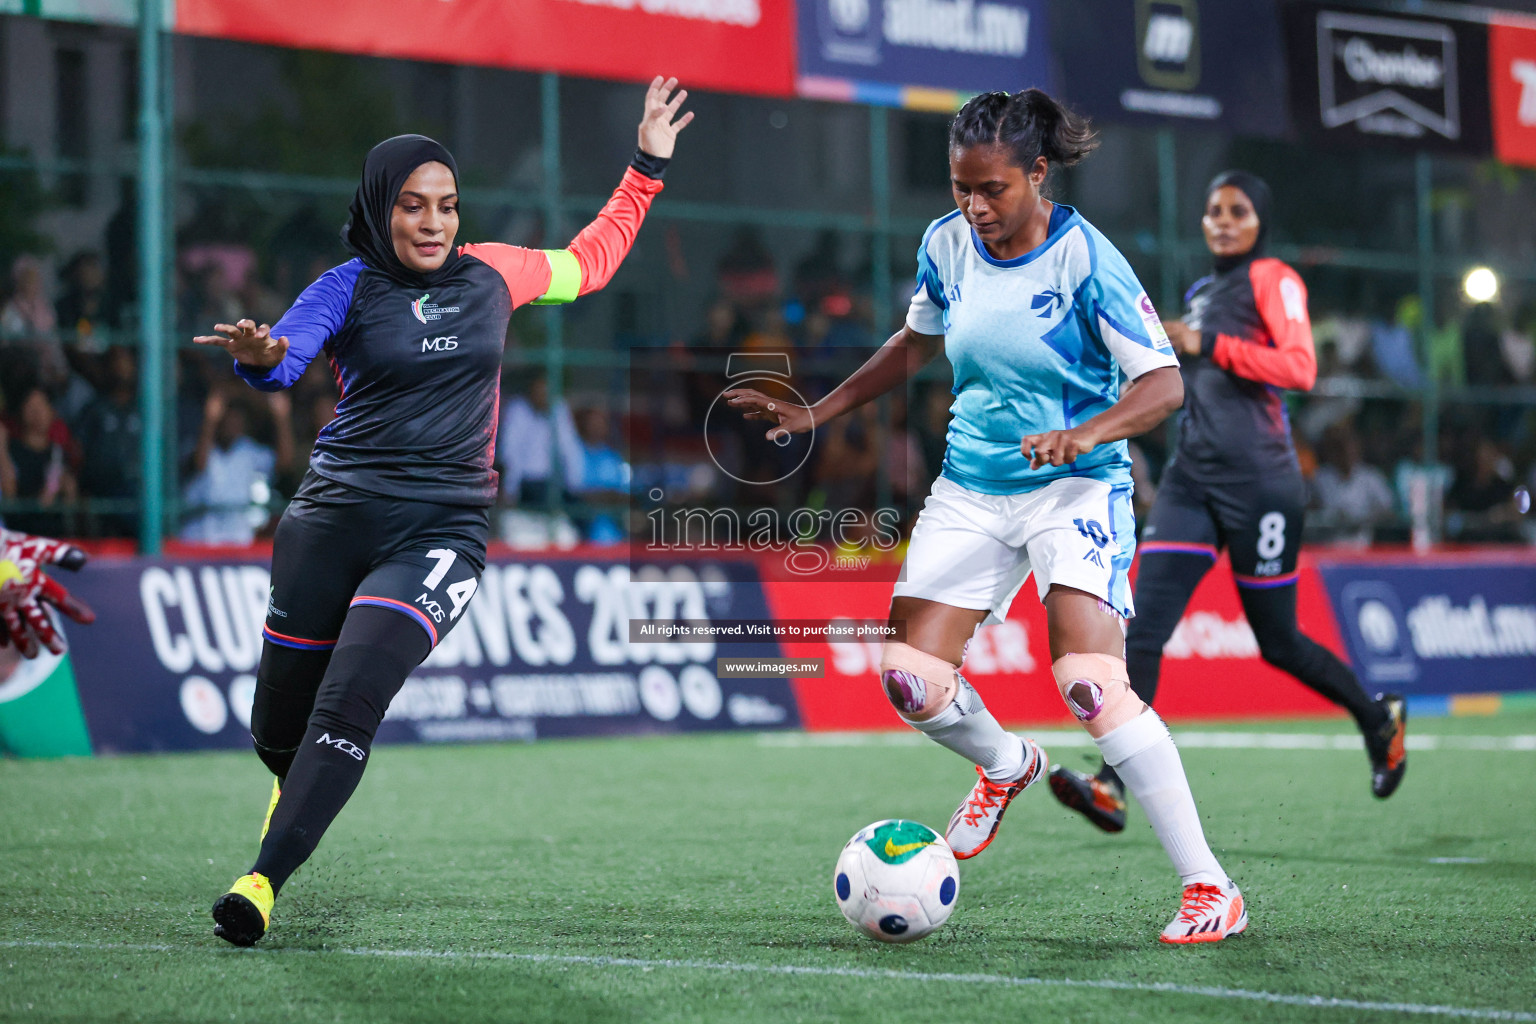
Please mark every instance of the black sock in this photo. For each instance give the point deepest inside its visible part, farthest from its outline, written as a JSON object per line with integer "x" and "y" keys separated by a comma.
{"x": 378, "y": 648}
{"x": 286, "y": 683}
{"x": 1272, "y": 614}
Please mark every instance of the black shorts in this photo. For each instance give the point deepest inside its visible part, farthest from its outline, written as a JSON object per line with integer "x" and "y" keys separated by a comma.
{"x": 336, "y": 548}
{"x": 1259, "y": 523}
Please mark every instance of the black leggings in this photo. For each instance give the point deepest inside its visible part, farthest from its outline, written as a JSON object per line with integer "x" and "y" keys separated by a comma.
{"x": 314, "y": 721}
{"x": 1164, "y": 585}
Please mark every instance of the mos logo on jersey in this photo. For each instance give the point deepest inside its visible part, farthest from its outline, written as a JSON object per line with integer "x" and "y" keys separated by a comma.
{"x": 424, "y": 311}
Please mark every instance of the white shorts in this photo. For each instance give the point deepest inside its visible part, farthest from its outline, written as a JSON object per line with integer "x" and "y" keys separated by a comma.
{"x": 974, "y": 550}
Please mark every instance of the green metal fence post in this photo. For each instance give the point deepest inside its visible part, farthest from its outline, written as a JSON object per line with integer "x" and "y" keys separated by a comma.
{"x": 880, "y": 199}
{"x": 1169, "y": 264}
{"x": 554, "y": 322}
{"x": 1424, "y": 185}
{"x": 880, "y": 264}
{"x": 151, "y": 256}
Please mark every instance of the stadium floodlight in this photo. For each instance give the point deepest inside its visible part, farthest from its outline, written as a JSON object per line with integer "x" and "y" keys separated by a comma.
{"x": 1480, "y": 285}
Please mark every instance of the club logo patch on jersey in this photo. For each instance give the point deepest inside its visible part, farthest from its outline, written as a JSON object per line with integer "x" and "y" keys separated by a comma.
{"x": 1048, "y": 302}
{"x": 424, "y": 311}
{"x": 1154, "y": 323}
{"x": 1293, "y": 300}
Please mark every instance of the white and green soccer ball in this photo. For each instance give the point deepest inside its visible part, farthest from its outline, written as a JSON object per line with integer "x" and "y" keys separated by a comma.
{"x": 896, "y": 880}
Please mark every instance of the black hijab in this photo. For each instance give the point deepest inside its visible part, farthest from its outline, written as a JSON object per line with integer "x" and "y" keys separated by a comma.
{"x": 366, "y": 233}
{"x": 1252, "y": 186}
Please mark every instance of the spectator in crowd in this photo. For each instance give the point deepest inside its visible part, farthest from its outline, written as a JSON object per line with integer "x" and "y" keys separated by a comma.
{"x": 933, "y": 424}
{"x": 1322, "y": 411}
{"x": 1481, "y": 346}
{"x": 1518, "y": 344}
{"x": 121, "y": 243}
{"x": 847, "y": 456}
{"x": 605, "y": 475}
{"x": 82, "y": 307}
{"x": 1394, "y": 347}
{"x": 905, "y": 467}
{"x": 746, "y": 275}
{"x": 27, "y": 314}
{"x": 27, "y": 319}
{"x": 724, "y": 327}
{"x": 226, "y": 498}
{"x": 110, "y": 431}
{"x": 40, "y": 459}
{"x": 523, "y": 446}
{"x": 1352, "y": 496}
{"x": 1481, "y": 501}
{"x": 604, "y": 470}
{"x": 818, "y": 276}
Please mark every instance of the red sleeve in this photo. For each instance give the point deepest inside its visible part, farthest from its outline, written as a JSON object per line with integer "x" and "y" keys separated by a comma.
{"x": 1288, "y": 360}
{"x": 526, "y": 271}
{"x": 603, "y": 244}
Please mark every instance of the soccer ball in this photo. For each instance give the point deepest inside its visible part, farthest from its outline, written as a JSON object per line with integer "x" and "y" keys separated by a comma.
{"x": 896, "y": 880}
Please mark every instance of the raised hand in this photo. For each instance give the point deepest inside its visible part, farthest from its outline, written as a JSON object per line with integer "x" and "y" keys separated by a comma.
{"x": 25, "y": 590}
{"x": 787, "y": 417}
{"x": 658, "y": 130}
{"x": 250, "y": 344}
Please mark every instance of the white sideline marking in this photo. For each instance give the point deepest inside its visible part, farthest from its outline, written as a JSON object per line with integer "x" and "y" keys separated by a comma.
{"x": 1190, "y": 739}
{"x": 1110, "y": 984}
{"x": 1458, "y": 860}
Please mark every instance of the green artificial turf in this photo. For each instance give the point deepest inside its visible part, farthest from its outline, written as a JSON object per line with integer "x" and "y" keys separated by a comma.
{"x": 720, "y": 849}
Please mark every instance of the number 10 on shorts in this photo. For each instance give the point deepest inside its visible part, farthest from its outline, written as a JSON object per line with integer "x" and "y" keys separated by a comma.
{"x": 460, "y": 592}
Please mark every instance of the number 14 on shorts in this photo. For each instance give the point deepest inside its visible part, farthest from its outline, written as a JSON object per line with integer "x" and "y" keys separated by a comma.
{"x": 458, "y": 593}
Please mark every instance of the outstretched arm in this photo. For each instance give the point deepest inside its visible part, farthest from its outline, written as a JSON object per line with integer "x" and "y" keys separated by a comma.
{"x": 602, "y": 245}
{"x": 273, "y": 358}
{"x": 548, "y": 277}
{"x": 903, "y": 355}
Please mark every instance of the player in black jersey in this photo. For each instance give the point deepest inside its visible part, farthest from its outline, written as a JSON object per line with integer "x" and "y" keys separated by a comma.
{"x": 1234, "y": 483}
{"x": 382, "y": 548}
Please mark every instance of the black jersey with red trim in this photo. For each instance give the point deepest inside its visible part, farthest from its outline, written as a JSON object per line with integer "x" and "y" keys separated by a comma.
{"x": 1256, "y": 342}
{"x": 420, "y": 370}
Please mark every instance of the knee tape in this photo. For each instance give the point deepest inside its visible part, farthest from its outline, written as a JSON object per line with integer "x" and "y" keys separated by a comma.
{"x": 1097, "y": 690}
{"x": 919, "y": 685}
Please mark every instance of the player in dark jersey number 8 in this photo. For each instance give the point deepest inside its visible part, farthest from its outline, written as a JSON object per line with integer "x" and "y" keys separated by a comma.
{"x": 382, "y": 548}
{"x": 1234, "y": 482}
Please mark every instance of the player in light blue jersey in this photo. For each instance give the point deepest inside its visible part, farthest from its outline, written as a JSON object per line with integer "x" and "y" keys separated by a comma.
{"x": 1041, "y": 319}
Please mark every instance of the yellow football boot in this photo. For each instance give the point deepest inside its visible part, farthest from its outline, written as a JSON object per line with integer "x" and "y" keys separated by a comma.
{"x": 242, "y": 914}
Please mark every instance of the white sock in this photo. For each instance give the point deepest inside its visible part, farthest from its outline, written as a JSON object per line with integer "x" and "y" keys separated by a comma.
{"x": 1142, "y": 752}
{"x": 968, "y": 728}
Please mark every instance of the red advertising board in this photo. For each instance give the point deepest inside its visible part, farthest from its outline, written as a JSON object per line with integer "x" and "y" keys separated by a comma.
{"x": 1512, "y": 89}
{"x": 729, "y": 45}
{"x": 1211, "y": 667}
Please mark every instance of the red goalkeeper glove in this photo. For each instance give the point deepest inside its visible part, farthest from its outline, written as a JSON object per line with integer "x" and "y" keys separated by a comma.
{"x": 25, "y": 590}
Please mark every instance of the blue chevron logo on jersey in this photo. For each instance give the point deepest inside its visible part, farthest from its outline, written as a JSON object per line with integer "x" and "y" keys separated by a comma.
{"x": 1051, "y": 299}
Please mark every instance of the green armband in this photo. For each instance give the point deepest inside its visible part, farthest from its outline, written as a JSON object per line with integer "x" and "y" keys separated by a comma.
{"x": 564, "y": 278}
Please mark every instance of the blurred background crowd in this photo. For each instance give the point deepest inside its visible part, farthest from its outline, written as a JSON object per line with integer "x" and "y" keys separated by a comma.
{"x": 768, "y": 240}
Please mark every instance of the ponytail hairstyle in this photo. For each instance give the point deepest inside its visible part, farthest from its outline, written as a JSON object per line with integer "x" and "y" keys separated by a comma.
{"x": 1029, "y": 124}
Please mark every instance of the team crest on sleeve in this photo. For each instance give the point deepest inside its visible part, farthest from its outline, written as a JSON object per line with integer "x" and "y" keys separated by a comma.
{"x": 1153, "y": 323}
{"x": 1293, "y": 301}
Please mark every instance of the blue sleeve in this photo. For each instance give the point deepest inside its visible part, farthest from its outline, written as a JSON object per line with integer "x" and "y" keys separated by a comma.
{"x": 315, "y": 316}
{"x": 1121, "y": 315}
{"x": 925, "y": 314}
